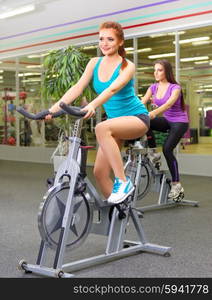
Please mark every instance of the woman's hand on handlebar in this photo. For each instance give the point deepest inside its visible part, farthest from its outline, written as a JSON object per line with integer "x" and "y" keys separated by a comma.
{"x": 90, "y": 111}
{"x": 48, "y": 117}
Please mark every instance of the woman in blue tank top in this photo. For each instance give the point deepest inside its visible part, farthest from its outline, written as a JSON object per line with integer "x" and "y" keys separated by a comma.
{"x": 127, "y": 116}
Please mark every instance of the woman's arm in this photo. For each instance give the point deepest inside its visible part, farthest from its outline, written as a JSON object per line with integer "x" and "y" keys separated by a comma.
{"x": 124, "y": 77}
{"x": 147, "y": 96}
{"x": 172, "y": 99}
{"x": 77, "y": 89}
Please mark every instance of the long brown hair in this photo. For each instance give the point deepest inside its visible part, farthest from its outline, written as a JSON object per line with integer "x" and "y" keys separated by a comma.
{"x": 170, "y": 76}
{"x": 120, "y": 35}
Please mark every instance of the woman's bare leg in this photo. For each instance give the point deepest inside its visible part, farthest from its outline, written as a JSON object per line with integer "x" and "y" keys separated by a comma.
{"x": 122, "y": 128}
{"x": 102, "y": 172}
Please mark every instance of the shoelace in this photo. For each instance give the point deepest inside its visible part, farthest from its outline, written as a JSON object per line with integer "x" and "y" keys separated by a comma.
{"x": 116, "y": 186}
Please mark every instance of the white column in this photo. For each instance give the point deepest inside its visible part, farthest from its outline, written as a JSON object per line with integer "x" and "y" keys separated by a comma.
{"x": 177, "y": 57}
{"x": 17, "y": 102}
{"x": 135, "y": 60}
{"x": 177, "y": 69}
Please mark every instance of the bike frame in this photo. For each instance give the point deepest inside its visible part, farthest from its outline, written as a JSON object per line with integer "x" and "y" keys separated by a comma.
{"x": 114, "y": 228}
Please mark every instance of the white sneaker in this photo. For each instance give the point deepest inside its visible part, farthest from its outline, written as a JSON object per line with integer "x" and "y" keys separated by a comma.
{"x": 121, "y": 190}
{"x": 154, "y": 157}
{"x": 138, "y": 145}
{"x": 176, "y": 193}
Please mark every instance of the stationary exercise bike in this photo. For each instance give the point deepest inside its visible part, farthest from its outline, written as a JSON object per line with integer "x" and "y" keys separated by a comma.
{"x": 66, "y": 213}
{"x": 157, "y": 180}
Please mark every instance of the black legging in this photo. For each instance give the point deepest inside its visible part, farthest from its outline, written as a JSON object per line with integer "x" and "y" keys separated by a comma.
{"x": 175, "y": 131}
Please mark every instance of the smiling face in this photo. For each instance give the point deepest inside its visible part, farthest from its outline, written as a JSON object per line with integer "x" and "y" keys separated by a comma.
{"x": 159, "y": 72}
{"x": 109, "y": 43}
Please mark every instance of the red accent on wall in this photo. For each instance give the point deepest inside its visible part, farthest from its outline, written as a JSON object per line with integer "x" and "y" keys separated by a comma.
{"x": 95, "y": 33}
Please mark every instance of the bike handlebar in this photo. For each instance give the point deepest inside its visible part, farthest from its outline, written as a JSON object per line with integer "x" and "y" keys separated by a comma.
{"x": 39, "y": 116}
{"x": 72, "y": 110}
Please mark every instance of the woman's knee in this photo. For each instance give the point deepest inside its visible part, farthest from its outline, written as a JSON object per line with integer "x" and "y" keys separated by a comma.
{"x": 167, "y": 150}
{"x": 101, "y": 128}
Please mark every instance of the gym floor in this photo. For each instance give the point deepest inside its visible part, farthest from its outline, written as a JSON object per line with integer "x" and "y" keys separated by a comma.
{"x": 201, "y": 149}
{"x": 184, "y": 228}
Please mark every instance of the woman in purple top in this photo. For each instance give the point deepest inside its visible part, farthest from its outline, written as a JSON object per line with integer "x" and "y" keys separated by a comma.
{"x": 167, "y": 98}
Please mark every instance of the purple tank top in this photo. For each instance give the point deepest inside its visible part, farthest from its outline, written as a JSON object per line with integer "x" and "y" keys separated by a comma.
{"x": 174, "y": 113}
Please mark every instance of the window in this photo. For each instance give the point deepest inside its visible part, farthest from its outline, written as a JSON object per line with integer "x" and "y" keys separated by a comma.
{"x": 7, "y": 102}
{"x": 196, "y": 79}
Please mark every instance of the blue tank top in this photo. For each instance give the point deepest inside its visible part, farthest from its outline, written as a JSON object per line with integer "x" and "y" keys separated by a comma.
{"x": 124, "y": 102}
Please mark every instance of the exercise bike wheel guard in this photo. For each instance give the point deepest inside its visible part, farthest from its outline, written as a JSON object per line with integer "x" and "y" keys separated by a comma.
{"x": 51, "y": 214}
{"x": 145, "y": 180}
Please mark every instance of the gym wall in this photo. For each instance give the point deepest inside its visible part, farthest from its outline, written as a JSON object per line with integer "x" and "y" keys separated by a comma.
{"x": 60, "y": 23}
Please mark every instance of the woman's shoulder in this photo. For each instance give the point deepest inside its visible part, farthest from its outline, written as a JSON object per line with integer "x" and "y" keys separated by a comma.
{"x": 130, "y": 66}
{"x": 174, "y": 86}
{"x": 94, "y": 60}
{"x": 130, "y": 62}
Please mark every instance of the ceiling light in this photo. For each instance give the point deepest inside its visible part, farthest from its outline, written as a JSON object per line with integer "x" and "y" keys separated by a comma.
{"x": 187, "y": 68}
{"x": 144, "y": 50}
{"x": 37, "y": 55}
{"x": 201, "y": 62}
{"x": 187, "y": 59}
{"x": 131, "y": 50}
{"x": 17, "y": 11}
{"x": 145, "y": 68}
{"x": 28, "y": 74}
{"x": 157, "y": 35}
{"x": 32, "y": 80}
{"x": 202, "y": 38}
{"x": 201, "y": 43}
{"x": 173, "y": 33}
{"x": 161, "y": 55}
{"x": 33, "y": 66}
{"x": 165, "y": 34}
{"x": 206, "y": 86}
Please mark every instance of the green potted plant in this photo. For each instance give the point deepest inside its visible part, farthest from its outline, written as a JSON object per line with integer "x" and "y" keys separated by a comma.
{"x": 62, "y": 69}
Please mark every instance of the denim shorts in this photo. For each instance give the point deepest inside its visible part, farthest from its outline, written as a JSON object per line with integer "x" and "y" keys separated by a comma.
{"x": 145, "y": 119}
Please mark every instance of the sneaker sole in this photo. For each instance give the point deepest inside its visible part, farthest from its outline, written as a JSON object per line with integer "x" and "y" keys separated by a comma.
{"x": 121, "y": 200}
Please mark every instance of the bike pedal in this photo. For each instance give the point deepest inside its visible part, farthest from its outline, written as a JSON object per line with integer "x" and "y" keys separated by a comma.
{"x": 120, "y": 209}
{"x": 128, "y": 199}
{"x": 50, "y": 182}
{"x": 80, "y": 187}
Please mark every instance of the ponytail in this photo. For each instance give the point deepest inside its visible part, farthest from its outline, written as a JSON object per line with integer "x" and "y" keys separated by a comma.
{"x": 122, "y": 53}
